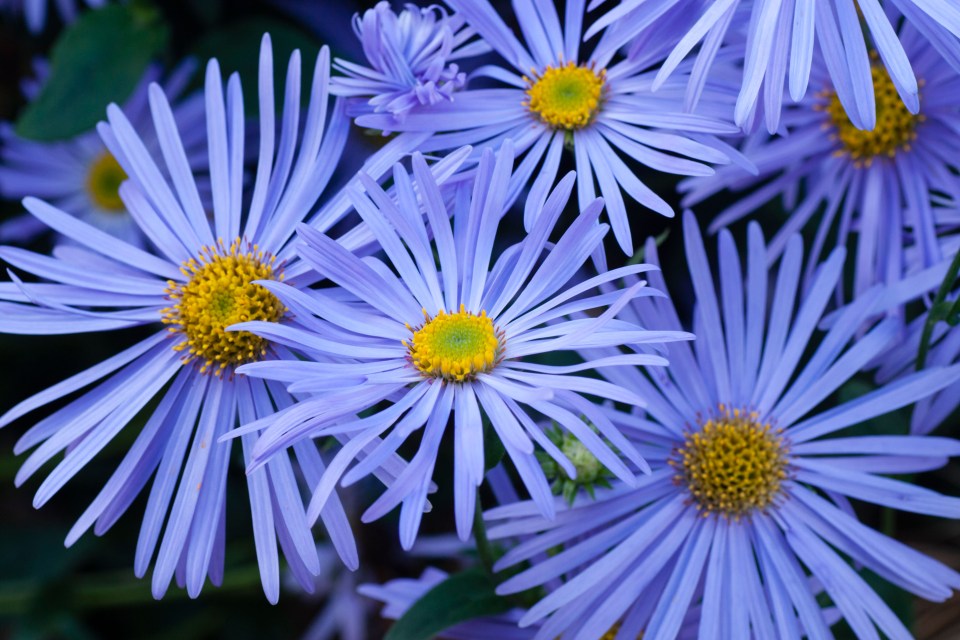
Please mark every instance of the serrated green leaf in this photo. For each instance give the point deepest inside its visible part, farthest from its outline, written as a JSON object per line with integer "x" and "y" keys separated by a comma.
{"x": 461, "y": 597}
{"x": 237, "y": 48}
{"x": 99, "y": 59}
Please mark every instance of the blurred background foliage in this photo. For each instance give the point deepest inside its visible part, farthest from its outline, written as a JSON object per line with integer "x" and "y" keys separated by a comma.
{"x": 89, "y": 591}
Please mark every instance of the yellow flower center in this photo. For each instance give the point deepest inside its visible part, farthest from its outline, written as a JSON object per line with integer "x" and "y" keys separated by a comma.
{"x": 732, "y": 465}
{"x": 455, "y": 346}
{"x": 220, "y": 292}
{"x": 895, "y": 129}
{"x": 103, "y": 183}
{"x": 565, "y": 97}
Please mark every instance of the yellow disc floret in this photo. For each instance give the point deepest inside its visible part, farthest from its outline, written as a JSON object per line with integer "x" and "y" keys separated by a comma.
{"x": 732, "y": 464}
{"x": 895, "y": 129}
{"x": 455, "y": 346}
{"x": 567, "y": 96}
{"x": 103, "y": 183}
{"x": 220, "y": 292}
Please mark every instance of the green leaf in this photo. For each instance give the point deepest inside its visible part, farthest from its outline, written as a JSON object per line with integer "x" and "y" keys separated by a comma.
{"x": 892, "y": 423}
{"x": 237, "y": 48}
{"x": 98, "y": 60}
{"x": 462, "y": 596}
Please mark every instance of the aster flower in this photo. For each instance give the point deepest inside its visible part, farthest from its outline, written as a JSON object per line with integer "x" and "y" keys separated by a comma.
{"x": 551, "y": 97}
{"x": 453, "y": 340}
{"x": 752, "y": 485}
{"x": 780, "y": 38}
{"x": 200, "y": 280}
{"x": 891, "y": 188}
{"x": 35, "y": 11}
{"x": 81, "y": 177}
{"x": 409, "y": 56}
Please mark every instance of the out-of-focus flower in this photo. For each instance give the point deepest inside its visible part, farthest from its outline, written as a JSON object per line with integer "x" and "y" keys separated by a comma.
{"x": 452, "y": 341}
{"x": 894, "y": 188}
{"x": 343, "y": 613}
{"x": 747, "y": 513}
{"x": 81, "y": 177}
{"x": 410, "y": 59}
{"x": 550, "y": 96}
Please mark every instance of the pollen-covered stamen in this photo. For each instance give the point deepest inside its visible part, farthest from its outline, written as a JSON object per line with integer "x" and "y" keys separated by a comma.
{"x": 103, "y": 182}
{"x": 455, "y": 346}
{"x": 567, "y": 96}
{"x": 896, "y": 127}
{"x": 732, "y": 464}
{"x": 220, "y": 292}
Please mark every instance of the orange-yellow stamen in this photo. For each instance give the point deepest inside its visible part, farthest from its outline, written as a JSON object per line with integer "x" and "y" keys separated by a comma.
{"x": 455, "y": 346}
{"x": 733, "y": 464}
{"x": 566, "y": 96}
{"x": 220, "y": 292}
{"x": 895, "y": 130}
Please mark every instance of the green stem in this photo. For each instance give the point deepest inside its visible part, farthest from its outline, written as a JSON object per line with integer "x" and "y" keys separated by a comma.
{"x": 889, "y": 522}
{"x": 484, "y": 548}
{"x": 936, "y": 312}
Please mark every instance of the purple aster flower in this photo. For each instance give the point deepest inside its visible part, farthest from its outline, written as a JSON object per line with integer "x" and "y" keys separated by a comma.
{"x": 892, "y": 188}
{"x": 748, "y": 511}
{"x": 35, "y": 11}
{"x": 200, "y": 280}
{"x": 81, "y": 177}
{"x": 551, "y": 96}
{"x": 409, "y": 56}
{"x": 451, "y": 341}
{"x": 780, "y": 39}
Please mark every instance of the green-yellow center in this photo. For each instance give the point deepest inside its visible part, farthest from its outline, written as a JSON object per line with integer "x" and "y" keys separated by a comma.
{"x": 455, "y": 346}
{"x": 895, "y": 129}
{"x": 220, "y": 292}
{"x": 566, "y": 96}
{"x": 103, "y": 183}
{"x": 589, "y": 469}
{"x": 733, "y": 464}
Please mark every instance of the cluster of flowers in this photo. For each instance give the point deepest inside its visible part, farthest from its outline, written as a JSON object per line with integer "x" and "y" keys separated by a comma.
{"x": 677, "y": 484}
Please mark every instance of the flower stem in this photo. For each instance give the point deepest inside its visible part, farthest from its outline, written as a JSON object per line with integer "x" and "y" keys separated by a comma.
{"x": 940, "y": 310}
{"x": 484, "y": 548}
